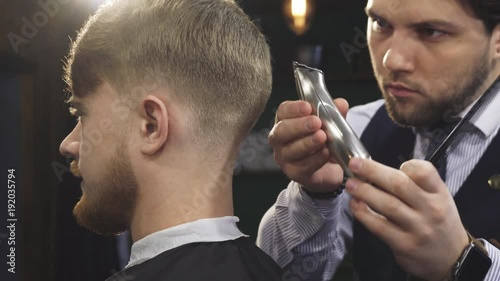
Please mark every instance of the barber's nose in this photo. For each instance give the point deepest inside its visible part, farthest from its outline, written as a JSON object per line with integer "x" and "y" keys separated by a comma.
{"x": 400, "y": 55}
{"x": 70, "y": 146}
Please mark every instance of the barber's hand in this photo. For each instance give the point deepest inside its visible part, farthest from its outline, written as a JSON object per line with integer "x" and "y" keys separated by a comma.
{"x": 299, "y": 146}
{"x": 412, "y": 211}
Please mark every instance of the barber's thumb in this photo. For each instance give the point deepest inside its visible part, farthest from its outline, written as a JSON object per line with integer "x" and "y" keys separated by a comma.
{"x": 424, "y": 174}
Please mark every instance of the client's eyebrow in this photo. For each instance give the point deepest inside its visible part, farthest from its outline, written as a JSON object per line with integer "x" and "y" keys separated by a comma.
{"x": 74, "y": 112}
{"x": 76, "y": 108}
{"x": 372, "y": 14}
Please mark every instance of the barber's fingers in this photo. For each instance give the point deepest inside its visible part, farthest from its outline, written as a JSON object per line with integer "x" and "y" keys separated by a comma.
{"x": 379, "y": 225}
{"x": 425, "y": 175}
{"x": 306, "y": 165}
{"x": 342, "y": 105}
{"x": 388, "y": 179}
{"x": 300, "y": 108}
{"x": 303, "y": 147}
{"x": 316, "y": 172}
{"x": 383, "y": 203}
{"x": 290, "y": 130}
{"x": 293, "y": 109}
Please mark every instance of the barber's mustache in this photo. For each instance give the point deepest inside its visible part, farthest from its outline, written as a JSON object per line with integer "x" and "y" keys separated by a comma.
{"x": 399, "y": 79}
{"x": 75, "y": 170}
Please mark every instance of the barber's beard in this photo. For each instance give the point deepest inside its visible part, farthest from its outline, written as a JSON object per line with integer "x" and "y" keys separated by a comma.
{"x": 107, "y": 208}
{"x": 446, "y": 103}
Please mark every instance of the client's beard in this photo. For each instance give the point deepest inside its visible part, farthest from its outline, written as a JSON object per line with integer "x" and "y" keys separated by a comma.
{"x": 107, "y": 207}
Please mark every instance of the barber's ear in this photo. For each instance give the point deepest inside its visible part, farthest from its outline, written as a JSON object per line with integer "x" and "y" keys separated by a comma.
{"x": 496, "y": 40}
{"x": 154, "y": 125}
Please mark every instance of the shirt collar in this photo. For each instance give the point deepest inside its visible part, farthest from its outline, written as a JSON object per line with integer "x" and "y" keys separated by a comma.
{"x": 486, "y": 119}
{"x": 203, "y": 230}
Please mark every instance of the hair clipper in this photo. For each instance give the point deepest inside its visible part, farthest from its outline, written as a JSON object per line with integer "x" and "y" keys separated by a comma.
{"x": 342, "y": 142}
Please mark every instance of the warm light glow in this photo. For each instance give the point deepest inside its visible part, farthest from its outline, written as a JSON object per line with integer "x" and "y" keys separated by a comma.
{"x": 299, "y": 8}
{"x": 299, "y": 13}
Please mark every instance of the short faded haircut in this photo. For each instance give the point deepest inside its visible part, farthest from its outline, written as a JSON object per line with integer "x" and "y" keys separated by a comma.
{"x": 214, "y": 60}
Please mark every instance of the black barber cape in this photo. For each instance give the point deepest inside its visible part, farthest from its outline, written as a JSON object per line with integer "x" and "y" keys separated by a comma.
{"x": 238, "y": 260}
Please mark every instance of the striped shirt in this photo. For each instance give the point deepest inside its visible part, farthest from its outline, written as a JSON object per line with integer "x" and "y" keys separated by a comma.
{"x": 297, "y": 227}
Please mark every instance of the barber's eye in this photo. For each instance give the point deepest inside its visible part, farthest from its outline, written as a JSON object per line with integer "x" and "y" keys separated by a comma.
{"x": 433, "y": 34}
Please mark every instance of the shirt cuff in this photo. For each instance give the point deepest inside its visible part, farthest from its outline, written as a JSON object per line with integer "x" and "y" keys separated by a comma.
{"x": 304, "y": 217}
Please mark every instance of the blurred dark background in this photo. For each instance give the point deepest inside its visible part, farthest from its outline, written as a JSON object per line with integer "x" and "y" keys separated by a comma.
{"x": 34, "y": 42}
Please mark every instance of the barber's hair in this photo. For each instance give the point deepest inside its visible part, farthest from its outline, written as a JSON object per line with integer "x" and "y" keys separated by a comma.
{"x": 208, "y": 53}
{"x": 487, "y": 10}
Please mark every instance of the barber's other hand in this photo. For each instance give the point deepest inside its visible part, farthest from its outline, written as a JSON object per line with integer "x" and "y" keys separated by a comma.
{"x": 412, "y": 211}
{"x": 299, "y": 146}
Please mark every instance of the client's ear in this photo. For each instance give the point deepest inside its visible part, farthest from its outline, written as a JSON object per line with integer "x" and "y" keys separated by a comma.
{"x": 154, "y": 124}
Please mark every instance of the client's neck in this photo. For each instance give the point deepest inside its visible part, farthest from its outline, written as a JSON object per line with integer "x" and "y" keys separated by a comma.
{"x": 179, "y": 196}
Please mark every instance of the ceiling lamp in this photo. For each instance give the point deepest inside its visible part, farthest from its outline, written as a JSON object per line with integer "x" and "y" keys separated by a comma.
{"x": 298, "y": 14}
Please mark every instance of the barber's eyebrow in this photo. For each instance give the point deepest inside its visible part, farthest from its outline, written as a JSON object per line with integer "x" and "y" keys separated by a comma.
{"x": 432, "y": 23}
{"x": 440, "y": 24}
